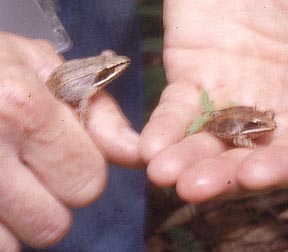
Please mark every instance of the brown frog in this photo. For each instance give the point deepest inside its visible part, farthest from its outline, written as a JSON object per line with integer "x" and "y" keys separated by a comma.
{"x": 240, "y": 125}
{"x": 76, "y": 81}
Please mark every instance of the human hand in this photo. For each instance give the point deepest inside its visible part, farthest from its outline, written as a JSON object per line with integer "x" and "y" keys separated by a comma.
{"x": 49, "y": 163}
{"x": 236, "y": 51}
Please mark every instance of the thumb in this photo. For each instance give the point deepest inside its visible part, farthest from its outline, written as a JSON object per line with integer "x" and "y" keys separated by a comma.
{"x": 167, "y": 125}
{"x": 112, "y": 132}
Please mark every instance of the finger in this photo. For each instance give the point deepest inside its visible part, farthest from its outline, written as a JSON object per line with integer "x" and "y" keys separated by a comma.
{"x": 50, "y": 139}
{"x": 178, "y": 105}
{"x": 65, "y": 157}
{"x": 8, "y": 242}
{"x": 165, "y": 168}
{"x": 26, "y": 207}
{"x": 265, "y": 170}
{"x": 113, "y": 133}
{"x": 41, "y": 57}
{"x": 212, "y": 177}
{"x": 37, "y": 54}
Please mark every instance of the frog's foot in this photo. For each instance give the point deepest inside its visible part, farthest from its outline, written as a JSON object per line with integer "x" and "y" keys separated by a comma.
{"x": 83, "y": 111}
{"x": 241, "y": 141}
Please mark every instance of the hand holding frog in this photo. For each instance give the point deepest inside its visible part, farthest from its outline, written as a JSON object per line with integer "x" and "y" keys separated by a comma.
{"x": 48, "y": 162}
{"x": 237, "y": 57}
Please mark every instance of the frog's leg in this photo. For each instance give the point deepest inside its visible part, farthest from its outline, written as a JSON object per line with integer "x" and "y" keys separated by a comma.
{"x": 83, "y": 110}
{"x": 84, "y": 105}
{"x": 244, "y": 141}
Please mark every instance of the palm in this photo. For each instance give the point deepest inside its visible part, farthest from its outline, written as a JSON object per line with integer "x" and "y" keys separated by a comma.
{"x": 247, "y": 68}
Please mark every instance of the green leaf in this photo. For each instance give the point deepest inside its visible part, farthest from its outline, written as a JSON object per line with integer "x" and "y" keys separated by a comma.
{"x": 205, "y": 103}
{"x": 198, "y": 123}
{"x": 207, "y": 107}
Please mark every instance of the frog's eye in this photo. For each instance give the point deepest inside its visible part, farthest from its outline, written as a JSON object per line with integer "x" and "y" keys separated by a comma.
{"x": 251, "y": 125}
{"x": 215, "y": 113}
{"x": 255, "y": 121}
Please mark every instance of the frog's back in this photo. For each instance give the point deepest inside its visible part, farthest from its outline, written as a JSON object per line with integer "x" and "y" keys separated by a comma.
{"x": 224, "y": 127}
{"x": 228, "y": 123}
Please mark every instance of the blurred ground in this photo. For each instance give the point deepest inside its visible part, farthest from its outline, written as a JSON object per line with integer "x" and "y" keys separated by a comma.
{"x": 254, "y": 224}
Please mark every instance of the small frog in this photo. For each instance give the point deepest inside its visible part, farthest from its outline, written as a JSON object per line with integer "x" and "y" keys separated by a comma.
{"x": 240, "y": 124}
{"x": 76, "y": 81}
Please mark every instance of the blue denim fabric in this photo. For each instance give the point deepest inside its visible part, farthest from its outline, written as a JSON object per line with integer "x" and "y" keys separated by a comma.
{"x": 114, "y": 223}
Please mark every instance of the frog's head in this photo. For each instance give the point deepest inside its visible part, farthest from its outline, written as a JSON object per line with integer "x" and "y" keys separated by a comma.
{"x": 259, "y": 122}
{"x": 111, "y": 65}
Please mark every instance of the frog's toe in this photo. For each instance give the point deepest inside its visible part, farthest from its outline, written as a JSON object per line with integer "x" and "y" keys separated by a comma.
{"x": 244, "y": 142}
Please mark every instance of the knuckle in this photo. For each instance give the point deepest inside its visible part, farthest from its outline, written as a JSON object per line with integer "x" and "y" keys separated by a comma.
{"x": 26, "y": 46}
{"x": 12, "y": 96}
{"x": 51, "y": 232}
{"x": 169, "y": 92}
{"x": 87, "y": 188}
{"x": 8, "y": 242}
{"x": 10, "y": 246}
{"x": 43, "y": 43}
{"x": 17, "y": 104}
{"x": 32, "y": 214}
{"x": 43, "y": 46}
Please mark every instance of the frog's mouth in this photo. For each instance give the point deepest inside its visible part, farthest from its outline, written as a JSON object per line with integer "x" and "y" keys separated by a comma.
{"x": 261, "y": 129}
{"x": 110, "y": 73}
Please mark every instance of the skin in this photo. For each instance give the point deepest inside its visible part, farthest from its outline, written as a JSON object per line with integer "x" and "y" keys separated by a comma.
{"x": 237, "y": 52}
{"x": 49, "y": 163}
{"x": 246, "y": 68}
